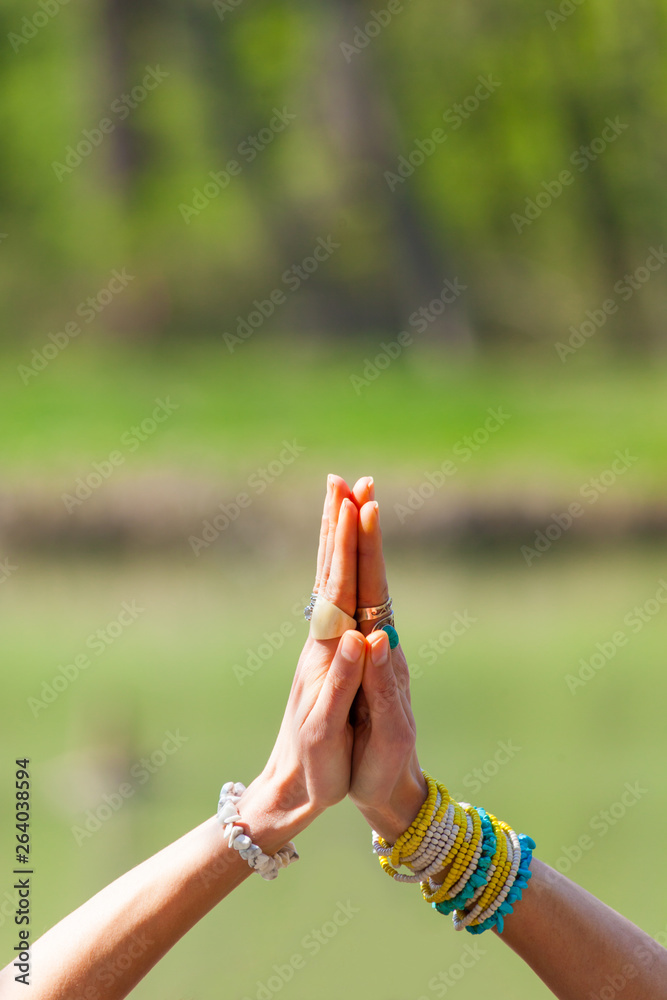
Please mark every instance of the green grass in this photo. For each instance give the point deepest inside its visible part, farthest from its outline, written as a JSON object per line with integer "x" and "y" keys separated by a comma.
{"x": 504, "y": 679}
{"x": 565, "y": 421}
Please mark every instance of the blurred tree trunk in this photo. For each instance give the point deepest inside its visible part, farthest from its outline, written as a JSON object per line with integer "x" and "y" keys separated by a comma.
{"x": 605, "y": 220}
{"x": 120, "y": 18}
{"x": 349, "y": 116}
{"x": 238, "y": 111}
{"x": 423, "y": 260}
{"x": 129, "y": 28}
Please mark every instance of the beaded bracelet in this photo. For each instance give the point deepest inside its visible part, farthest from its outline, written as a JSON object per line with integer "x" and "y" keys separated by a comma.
{"x": 267, "y": 865}
{"x": 487, "y": 864}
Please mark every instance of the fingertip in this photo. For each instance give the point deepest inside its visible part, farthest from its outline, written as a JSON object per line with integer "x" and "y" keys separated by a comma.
{"x": 348, "y": 512}
{"x": 339, "y": 491}
{"x": 363, "y": 491}
{"x": 352, "y": 646}
{"x": 370, "y": 516}
{"x": 337, "y": 482}
{"x": 379, "y": 648}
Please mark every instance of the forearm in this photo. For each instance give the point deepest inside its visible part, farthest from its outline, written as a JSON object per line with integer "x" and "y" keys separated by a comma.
{"x": 106, "y": 946}
{"x": 579, "y": 946}
{"x": 109, "y": 943}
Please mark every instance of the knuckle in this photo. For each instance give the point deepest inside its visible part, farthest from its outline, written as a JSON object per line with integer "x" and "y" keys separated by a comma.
{"x": 314, "y": 734}
{"x": 333, "y": 589}
{"x": 386, "y": 694}
{"x": 338, "y": 685}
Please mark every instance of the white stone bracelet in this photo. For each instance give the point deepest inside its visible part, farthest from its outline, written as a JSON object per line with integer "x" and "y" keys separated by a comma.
{"x": 267, "y": 865}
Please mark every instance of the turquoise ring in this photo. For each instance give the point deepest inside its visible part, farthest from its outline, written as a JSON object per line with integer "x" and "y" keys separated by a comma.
{"x": 392, "y": 635}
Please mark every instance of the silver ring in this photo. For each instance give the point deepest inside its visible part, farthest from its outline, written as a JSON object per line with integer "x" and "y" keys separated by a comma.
{"x": 308, "y": 611}
{"x": 373, "y": 614}
{"x": 387, "y": 620}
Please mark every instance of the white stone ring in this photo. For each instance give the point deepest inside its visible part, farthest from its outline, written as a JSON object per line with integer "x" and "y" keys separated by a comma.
{"x": 328, "y": 621}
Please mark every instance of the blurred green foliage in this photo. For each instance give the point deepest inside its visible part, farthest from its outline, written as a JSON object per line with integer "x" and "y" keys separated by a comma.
{"x": 365, "y": 89}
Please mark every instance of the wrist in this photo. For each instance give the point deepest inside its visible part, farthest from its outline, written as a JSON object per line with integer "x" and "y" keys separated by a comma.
{"x": 275, "y": 812}
{"x": 393, "y": 816}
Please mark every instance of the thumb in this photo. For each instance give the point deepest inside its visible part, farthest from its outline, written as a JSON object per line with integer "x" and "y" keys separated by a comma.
{"x": 380, "y": 685}
{"x": 341, "y": 683}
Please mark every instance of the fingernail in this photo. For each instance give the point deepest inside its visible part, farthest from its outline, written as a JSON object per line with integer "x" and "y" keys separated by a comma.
{"x": 352, "y": 646}
{"x": 380, "y": 650}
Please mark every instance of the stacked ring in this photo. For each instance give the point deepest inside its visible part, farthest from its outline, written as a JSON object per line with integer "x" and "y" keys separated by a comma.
{"x": 382, "y": 617}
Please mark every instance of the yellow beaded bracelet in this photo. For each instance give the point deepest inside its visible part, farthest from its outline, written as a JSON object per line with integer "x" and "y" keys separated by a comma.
{"x": 409, "y": 841}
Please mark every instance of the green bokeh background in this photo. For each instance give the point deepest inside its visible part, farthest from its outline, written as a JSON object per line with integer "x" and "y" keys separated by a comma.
{"x": 296, "y": 380}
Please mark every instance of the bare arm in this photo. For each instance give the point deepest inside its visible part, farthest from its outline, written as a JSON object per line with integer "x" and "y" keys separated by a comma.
{"x": 105, "y": 947}
{"x": 108, "y": 944}
{"x": 578, "y": 946}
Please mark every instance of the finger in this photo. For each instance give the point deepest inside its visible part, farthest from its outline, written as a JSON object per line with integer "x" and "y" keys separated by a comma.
{"x": 341, "y": 585}
{"x": 372, "y": 589}
{"x": 363, "y": 491}
{"x": 372, "y": 582}
{"x": 380, "y": 685}
{"x": 324, "y": 532}
{"x": 341, "y": 682}
{"x": 339, "y": 492}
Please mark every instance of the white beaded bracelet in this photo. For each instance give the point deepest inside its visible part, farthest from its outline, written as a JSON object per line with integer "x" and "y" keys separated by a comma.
{"x": 267, "y": 865}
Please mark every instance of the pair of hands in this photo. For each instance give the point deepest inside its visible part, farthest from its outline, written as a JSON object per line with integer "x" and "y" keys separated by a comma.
{"x": 348, "y": 727}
